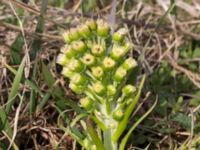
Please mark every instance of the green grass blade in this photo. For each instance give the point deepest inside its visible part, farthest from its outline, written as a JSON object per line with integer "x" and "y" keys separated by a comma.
{"x": 172, "y": 6}
{"x": 72, "y": 131}
{"x": 27, "y": 82}
{"x": 33, "y": 101}
{"x": 57, "y": 92}
{"x": 15, "y": 86}
{"x": 11, "y": 69}
{"x": 44, "y": 100}
{"x": 71, "y": 104}
{"x": 125, "y": 139}
{"x": 122, "y": 125}
{"x": 16, "y": 50}
{"x": 33, "y": 86}
{"x": 77, "y": 118}
{"x": 99, "y": 123}
{"x": 47, "y": 75}
{"x": 3, "y": 146}
{"x": 33, "y": 96}
{"x": 4, "y": 122}
{"x": 37, "y": 42}
{"x": 94, "y": 135}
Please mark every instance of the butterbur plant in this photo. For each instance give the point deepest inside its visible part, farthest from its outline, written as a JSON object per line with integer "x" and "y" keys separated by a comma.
{"x": 97, "y": 65}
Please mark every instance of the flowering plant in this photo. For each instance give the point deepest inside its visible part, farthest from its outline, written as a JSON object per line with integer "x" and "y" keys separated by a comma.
{"x": 97, "y": 65}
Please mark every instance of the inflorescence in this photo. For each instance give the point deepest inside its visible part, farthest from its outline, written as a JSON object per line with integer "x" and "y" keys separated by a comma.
{"x": 97, "y": 65}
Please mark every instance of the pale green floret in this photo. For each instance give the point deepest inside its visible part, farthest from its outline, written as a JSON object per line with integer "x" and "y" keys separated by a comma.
{"x": 119, "y": 35}
{"x": 84, "y": 31}
{"x": 118, "y": 114}
{"x": 117, "y": 52}
{"x": 97, "y": 72}
{"x": 128, "y": 90}
{"x": 78, "y": 79}
{"x": 102, "y": 28}
{"x": 86, "y": 103}
{"x": 108, "y": 63}
{"x": 98, "y": 50}
{"x": 91, "y": 24}
{"x": 120, "y": 74}
{"x": 64, "y": 48}
{"x": 62, "y": 59}
{"x": 68, "y": 51}
{"x": 75, "y": 65}
{"x": 128, "y": 46}
{"x": 79, "y": 46}
{"x": 75, "y": 88}
{"x": 67, "y": 72}
{"x": 88, "y": 59}
{"x": 129, "y": 64}
{"x": 73, "y": 34}
{"x": 111, "y": 90}
{"x": 66, "y": 37}
{"x": 99, "y": 88}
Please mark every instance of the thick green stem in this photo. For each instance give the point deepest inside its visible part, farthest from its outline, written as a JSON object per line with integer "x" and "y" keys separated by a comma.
{"x": 108, "y": 133}
{"x": 108, "y": 143}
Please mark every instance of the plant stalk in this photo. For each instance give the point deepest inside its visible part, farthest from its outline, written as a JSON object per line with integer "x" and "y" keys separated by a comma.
{"x": 108, "y": 143}
{"x": 107, "y": 134}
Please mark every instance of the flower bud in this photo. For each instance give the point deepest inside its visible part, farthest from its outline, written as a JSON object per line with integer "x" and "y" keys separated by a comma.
{"x": 66, "y": 37}
{"x": 62, "y": 59}
{"x": 111, "y": 90}
{"x": 129, "y": 63}
{"x": 78, "y": 79}
{"x": 128, "y": 100}
{"x": 88, "y": 59}
{"x": 75, "y": 65}
{"x": 120, "y": 74}
{"x": 73, "y": 34}
{"x": 102, "y": 28}
{"x": 108, "y": 63}
{"x": 67, "y": 72}
{"x": 64, "y": 48}
{"x": 99, "y": 88}
{"x": 86, "y": 103}
{"x": 75, "y": 88}
{"x": 79, "y": 46}
{"x": 84, "y": 31}
{"x": 128, "y": 90}
{"x": 118, "y": 114}
{"x": 97, "y": 72}
{"x": 91, "y": 24}
{"x": 119, "y": 35}
{"x": 68, "y": 51}
{"x": 127, "y": 46}
{"x": 98, "y": 50}
{"x": 117, "y": 52}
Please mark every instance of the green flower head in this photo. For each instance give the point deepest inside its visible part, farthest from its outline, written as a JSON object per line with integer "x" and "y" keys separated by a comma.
{"x": 97, "y": 65}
